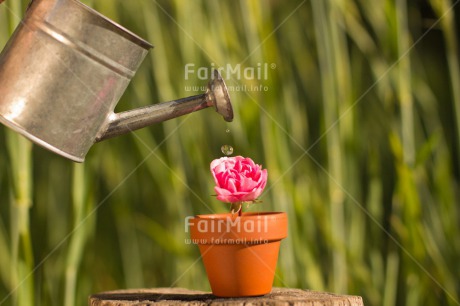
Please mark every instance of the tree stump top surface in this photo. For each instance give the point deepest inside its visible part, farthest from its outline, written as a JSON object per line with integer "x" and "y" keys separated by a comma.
{"x": 180, "y": 296}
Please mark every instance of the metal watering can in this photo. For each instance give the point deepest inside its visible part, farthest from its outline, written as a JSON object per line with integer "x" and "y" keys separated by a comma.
{"x": 63, "y": 72}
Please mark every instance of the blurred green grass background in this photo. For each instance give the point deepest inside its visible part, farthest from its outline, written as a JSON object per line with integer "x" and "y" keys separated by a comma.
{"x": 358, "y": 125}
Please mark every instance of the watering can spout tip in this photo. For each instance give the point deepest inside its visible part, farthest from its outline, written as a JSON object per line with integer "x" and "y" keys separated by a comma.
{"x": 219, "y": 97}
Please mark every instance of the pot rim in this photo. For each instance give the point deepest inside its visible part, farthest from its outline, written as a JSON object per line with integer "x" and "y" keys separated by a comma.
{"x": 250, "y": 228}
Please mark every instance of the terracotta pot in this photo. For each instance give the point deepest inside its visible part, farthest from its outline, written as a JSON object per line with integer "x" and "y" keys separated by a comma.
{"x": 239, "y": 253}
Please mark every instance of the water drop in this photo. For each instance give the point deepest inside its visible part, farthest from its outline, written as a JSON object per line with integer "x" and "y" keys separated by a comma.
{"x": 227, "y": 131}
{"x": 227, "y": 150}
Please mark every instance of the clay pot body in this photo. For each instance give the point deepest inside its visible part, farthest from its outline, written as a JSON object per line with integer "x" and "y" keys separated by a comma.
{"x": 239, "y": 253}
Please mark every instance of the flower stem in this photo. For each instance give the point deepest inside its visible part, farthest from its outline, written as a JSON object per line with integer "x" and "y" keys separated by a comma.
{"x": 237, "y": 207}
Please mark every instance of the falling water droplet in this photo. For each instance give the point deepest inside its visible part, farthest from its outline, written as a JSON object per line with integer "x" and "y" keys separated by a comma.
{"x": 227, "y": 131}
{"x": 227, "y": 150}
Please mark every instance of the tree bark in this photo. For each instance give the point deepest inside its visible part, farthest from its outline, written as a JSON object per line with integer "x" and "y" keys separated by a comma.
{"x": 180, "y": 296}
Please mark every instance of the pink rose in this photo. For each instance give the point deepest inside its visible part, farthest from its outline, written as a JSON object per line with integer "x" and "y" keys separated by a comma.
{"x": 238, "y": 179}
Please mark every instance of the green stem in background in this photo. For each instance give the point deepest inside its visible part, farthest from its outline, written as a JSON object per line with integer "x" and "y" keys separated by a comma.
{"x": 331, "y": 68}
{"x": 20, "y": 152}
{"x": 444, "y": 10}
{"x": 404, "y": 83}
{"x": 22, "y": 264}
{"x": 77, "y": 242}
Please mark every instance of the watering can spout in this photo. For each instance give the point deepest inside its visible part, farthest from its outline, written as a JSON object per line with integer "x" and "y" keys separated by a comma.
{"x": 216, "y": 95}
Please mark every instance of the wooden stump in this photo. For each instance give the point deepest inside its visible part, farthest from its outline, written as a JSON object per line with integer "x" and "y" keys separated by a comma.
{"x": 180, "y": 296}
